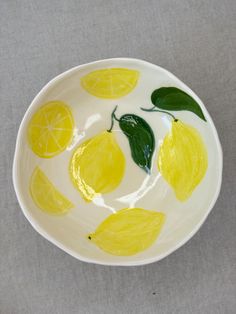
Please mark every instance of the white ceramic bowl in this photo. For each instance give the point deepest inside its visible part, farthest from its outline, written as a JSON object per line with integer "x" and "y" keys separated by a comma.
{"x": 92, "y": 115}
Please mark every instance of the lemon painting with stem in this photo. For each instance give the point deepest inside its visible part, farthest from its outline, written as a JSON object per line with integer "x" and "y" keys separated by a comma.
{"x": 182, "y": 158}
{"x": 97, "y": 165}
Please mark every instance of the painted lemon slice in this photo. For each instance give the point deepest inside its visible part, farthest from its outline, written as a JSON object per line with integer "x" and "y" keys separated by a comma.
{"x": 97, "y": 166}
{"x": 129, "y": 231}
{"x": 110, "y": 83}
{"x": 182, "y": 159}
{"x": 50, "y": 130}
{"x": 46, "y": 196}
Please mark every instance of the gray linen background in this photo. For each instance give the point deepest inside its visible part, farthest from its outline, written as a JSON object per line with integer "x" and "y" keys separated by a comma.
{"x": 196, "y": 40}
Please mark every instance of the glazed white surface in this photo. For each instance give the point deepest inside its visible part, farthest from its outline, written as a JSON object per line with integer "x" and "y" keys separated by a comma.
{"x": 92, "y": 115}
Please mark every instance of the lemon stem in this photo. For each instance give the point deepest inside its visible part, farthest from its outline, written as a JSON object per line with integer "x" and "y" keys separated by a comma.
{"x": 153, "y": 109}
{"x": 113, "y": 117}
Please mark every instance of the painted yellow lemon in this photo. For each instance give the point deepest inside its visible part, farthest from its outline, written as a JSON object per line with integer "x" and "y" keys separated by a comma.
{"x": 182, "y": 159}
{"x": 97, "y": 166}
{"x": 50, "y": 130}
{"x": 110, "y": 83}
{"x": 129, "y": 231}
{"x": 46, "y": 196}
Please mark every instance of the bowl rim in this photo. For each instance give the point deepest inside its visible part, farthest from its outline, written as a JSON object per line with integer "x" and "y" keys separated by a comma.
{"x": 56, "y": 242}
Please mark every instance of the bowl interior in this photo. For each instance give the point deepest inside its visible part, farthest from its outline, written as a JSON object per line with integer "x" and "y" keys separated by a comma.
{"x": 92, "y": 115}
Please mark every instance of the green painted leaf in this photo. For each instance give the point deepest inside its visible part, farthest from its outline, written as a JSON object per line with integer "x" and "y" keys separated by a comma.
{"x": 174, "y": 99}
{"x": 141, "y": 139}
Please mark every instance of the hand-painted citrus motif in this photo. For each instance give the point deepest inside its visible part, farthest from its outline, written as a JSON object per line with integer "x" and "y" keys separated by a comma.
{"x": 129, "y": 231}
{"x": 97, "y": 165}
{"x": 110, "y": 83}
{"x": 50, "y": 129}
{"x": 182, "y": 159}
{"x": 46, "y": 196}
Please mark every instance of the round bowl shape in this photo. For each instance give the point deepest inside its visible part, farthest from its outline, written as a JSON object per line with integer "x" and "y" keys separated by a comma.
{"x": 92, "y": 115}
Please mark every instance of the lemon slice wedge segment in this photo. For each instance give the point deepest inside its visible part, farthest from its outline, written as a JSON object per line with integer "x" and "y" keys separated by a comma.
{"x": 111, "y": 83}
{"x": 46, "y": 196}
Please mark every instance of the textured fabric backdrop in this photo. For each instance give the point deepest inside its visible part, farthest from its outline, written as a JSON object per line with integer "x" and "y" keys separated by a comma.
{"x": 196, "y": 40}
